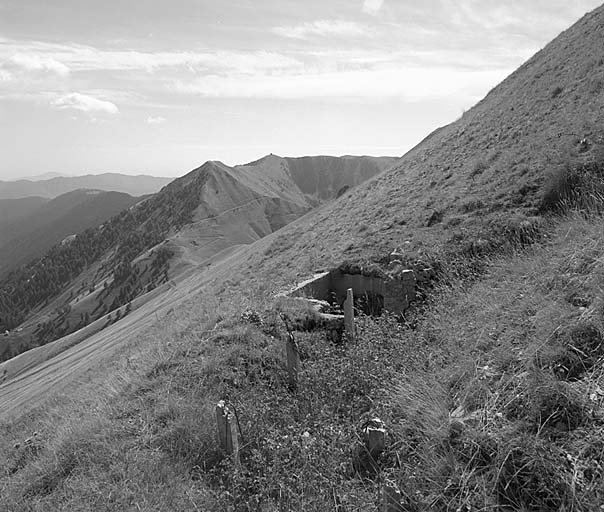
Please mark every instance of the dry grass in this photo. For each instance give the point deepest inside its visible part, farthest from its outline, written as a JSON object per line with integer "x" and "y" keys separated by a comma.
{"x": 499, "y": 426}
{"x": 476, "y": 419}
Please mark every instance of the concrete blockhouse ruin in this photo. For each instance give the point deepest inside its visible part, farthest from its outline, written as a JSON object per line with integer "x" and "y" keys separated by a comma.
{"x": 373, "y": 294}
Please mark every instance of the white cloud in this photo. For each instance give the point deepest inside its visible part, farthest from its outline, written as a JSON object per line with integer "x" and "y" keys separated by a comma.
{"x": 372, "y": 6}
{"x": 408, "y": 83}
{"x": 61, "y": 59}
{"x": 156, "y": 120}
{"x": 85, "y": 103}
{"x": 322, "y": 28}
{"x": 246, "y": 62}
{"x": 36, "y": 63}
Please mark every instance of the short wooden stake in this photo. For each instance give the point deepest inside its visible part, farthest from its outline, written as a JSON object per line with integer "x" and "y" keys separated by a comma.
{"x": 349, "y": 315}
{"x": 293, "y": 361}
{"x": 226, "y": 428}
{"x": 234, "y": 439}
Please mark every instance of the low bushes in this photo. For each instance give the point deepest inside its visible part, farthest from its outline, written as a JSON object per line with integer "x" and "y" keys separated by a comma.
{"x": 574, "y": 186}
{"x": 572, "y": 352}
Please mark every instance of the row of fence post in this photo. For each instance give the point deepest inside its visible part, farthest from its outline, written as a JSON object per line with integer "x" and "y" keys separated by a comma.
{"x": 226, "y": 421}
{"x": 374, "y": 433}
{"x": 291, "y": 346}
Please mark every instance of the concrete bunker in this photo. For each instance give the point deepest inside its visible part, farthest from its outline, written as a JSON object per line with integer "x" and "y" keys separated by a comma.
{"x": 373, "y": 293}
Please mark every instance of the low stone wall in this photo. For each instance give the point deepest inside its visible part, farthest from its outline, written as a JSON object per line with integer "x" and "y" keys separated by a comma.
{"x": 393, "y": 294}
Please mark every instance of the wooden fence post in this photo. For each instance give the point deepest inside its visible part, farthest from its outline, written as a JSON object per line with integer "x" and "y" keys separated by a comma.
{"x": 293, "y": 355}
{"x": 293, "y": 361}
{"x": 226, "y": 427}
{"x": 349, "y": 315}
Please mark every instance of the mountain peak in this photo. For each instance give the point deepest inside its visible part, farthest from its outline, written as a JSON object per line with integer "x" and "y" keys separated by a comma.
{"x": 266, "y": 158}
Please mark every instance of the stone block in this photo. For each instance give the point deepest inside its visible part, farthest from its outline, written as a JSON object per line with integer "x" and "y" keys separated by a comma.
{"x": 226, "y": 428}
{"x": 374, "y": 437}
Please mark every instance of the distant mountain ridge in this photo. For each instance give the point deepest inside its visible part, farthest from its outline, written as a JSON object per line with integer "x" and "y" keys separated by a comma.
{"x": 244, "y": 203}
{"x": 134, "y": 185}
{"x": 43, "y": 176}
{"x": 318, "y": 177}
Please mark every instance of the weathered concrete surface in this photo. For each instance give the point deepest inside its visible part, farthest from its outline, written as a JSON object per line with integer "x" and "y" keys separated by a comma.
{"x": 391, "y": 294}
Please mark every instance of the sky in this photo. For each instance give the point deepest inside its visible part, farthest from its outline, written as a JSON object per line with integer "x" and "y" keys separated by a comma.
{"x": 160, "y": 86}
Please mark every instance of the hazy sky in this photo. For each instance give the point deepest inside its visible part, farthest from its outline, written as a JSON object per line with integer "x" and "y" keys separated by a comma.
{"x": 160, "y": 86}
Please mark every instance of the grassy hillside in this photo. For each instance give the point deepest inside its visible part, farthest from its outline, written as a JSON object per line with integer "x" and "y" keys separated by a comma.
{"x": 492, "y": 398}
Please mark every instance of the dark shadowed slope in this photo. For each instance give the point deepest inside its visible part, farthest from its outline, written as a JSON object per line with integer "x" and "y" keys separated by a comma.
{"x": 30, "y": 236}
{"x": 11, "y": 210}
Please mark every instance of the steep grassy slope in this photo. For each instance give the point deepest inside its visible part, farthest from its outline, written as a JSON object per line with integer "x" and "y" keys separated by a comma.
{"x": 134, "y": 185}
{"x": 469, "y": 180}
{"x": 30, "y": 236}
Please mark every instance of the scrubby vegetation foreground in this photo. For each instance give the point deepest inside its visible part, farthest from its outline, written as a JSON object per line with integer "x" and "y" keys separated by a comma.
{"x": 491, "y": 393}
